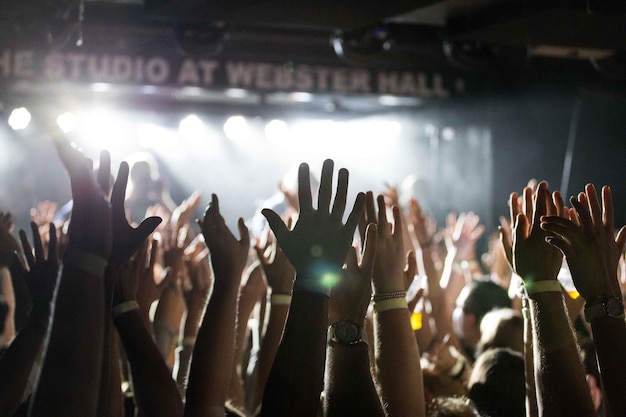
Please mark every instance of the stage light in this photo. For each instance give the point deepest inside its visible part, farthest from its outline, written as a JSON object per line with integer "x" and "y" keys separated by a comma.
{"x": 154, "y": 137}
{"x": 236, "y": 128}
{"x": 67, "y": 121}
{"x": 276, "y": 131}
{"x": 447, "y": 133}
{"x": 191, "y": 126}
{"x": 300, "y": 97}
{"x": 19, "y": 118}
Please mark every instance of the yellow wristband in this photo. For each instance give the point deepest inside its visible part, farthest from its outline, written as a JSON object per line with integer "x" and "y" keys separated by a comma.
{"x": 531, "y": 288}
{"x": 85, "y": 261}
{"x": 124, "y": 307}
{"x": 390, "y": 304}
{"x": 280, "y": 299}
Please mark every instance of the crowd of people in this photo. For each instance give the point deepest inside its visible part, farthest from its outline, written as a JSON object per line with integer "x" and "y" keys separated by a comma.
{"x": 334, "y": 308}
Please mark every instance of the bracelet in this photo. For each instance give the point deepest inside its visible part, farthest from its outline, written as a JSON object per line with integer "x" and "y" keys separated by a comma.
{"x": 390, "y": 304}
{"x": 457, "y": 370}
{"x": 124, "y": 307}
{"x": 188, "y": 341}
{"x": 531, "y": 288}
{"x": 526, "y": 313}
{"x": 312, "y": 285}
{"x": 388, "y": 295}
{"x": 85, "y": 261}
{"x": 280, "y": 299}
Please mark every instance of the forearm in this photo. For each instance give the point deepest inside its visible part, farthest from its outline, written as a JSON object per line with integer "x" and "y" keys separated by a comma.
{"x": 213, "y": 352}
{"x": 609, "y": 335}
{"x": 73, "y": 358}
{"x": 398, "y": 364}
{"x": 269, "y": 346}
{"x": 529, "y": 372}
{"x": 348, "y": 378}
{"x": 167, "y": 321}
{"x": 559, "y": 376}
{"x": 111, "y": 399}
{"x": 17, "y": 362}
{"x": 155, "y": 390}
{"x": 297, "y": 375}
{"x": 9, "y": 297}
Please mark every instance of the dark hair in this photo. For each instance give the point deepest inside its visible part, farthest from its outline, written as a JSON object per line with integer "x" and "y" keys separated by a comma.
{"x": 483, "y": 296}
{"x": 451, "y": 407}
{"x": 496, "y": 385}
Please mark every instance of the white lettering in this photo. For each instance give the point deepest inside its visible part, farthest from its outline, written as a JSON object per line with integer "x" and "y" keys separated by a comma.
{"x": 157, "y": 70}
{"x": 208, "y": 68}
{"x": 239, "y": 74}
{"x": 188, "y": 73}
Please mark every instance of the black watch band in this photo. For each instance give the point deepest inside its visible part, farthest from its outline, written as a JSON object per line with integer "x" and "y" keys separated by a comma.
{"x": 605, "y": 306}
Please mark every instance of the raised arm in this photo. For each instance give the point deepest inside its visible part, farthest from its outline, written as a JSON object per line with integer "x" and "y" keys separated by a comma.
{"x": 347, "y": 365}
{"x": 317, "y": 248}
{"x": 213, "y": 352}
{"x": 592, "y": 252}
{"x": 40, "y": 278}
{"x": 155, "y": 391}
{"x": 397, "y": 354}
{"x": 69, "y": 380}
{"x": 559, "y": 376}
{"x": 279, "y": 275}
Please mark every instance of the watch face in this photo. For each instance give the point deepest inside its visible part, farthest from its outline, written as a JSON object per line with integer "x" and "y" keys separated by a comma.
{"x": 347, "y": 332}
{"x": 614, "y": 307}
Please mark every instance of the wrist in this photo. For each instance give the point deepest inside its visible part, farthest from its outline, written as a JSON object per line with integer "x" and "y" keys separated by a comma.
{"x": 87, "y": 262}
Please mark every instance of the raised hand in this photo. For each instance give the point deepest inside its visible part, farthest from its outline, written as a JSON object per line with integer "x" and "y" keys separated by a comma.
{"x": 588, "y": 241}
{"x": 461, "y": 235}
{"x": 389, "y": 274}
{"x": 8, "y": 243}
{"x": 424, "y": 227}
{"x": 351, "y": 296}
{"x": 127, "y": 239}
{"x": 41, "y": 275}
{"x": 531, "y": 257}
{"x": 319, "y": 241}
{"x": 279, "y": 273}
{"x": 228, "y": 255}
{"x": 182, "y": 213}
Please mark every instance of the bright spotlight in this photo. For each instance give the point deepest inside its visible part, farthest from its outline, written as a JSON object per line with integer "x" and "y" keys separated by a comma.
{"x": 191, "y": 126}
{"x": 67, "y": 121}
{"x": 236, "y": 128}
{"x": 447, "y": 133}
{"x": 276, "y": 130}
{"x": 19, "y": 118}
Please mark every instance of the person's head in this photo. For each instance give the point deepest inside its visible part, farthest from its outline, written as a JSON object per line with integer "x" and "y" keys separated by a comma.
{"x": 476, "y": 299}
{"x": 144, "y": 172}
{"x": 451, "y": 407}
{"x": 497, "y": 385}
{"x": 501, "y": 328}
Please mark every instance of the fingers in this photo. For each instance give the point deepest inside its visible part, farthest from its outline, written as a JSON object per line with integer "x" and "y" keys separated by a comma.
{"x": 382, "y": 214}
{"x": 411, "y": 267}
{"x": 244, "y": 233}
{"x": 339, "y": 205}
{"x": 369, "y": 247}
{"x": 53, "y": 247}
{"x": 607, "y": 205}
{"x": 146, "y": 227}
{"x": 355, "y": 215}
{"x": 528, "y": 202}
{"x": 621, "y": 239}
{"x": 28, "y": 251}
{"x": 277, "y": 225}
{"x": 513, "y": 207}
{"x": 505, "y": 239}
{"x": 37, "y": 245}
{"x": 118, "y": 194}
{"x": 304, "y": 190}
{"x": 594, "y": 205}
{"x": 326, "y": 184}
{"x": 557, "y": 200}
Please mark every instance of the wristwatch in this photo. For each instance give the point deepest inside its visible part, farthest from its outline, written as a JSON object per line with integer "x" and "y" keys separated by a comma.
{"x": 346, "y": 332}
{"x": 608, "y": 305}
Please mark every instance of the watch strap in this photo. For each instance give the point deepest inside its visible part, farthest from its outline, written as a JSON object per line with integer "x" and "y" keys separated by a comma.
{"x": 599, "y": 307}
{"x": 332, "y": 334}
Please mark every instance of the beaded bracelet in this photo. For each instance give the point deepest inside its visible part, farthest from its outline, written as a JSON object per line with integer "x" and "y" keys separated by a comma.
{"x": 280, "y": 299}
{"x": 388, "y": 295}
